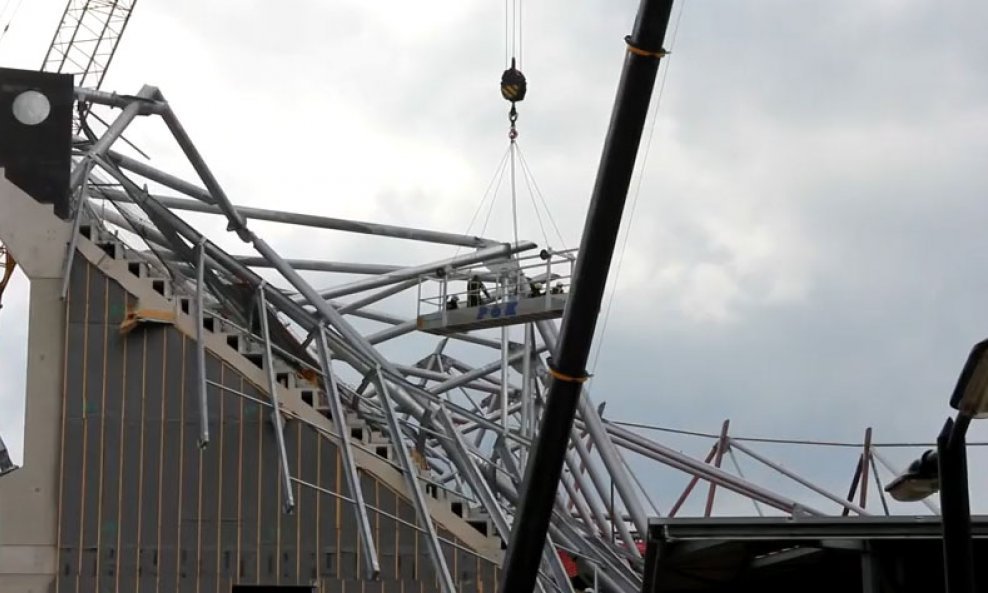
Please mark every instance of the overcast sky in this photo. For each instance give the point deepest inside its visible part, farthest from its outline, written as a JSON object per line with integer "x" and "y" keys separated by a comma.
{"x": 806, "y": 255}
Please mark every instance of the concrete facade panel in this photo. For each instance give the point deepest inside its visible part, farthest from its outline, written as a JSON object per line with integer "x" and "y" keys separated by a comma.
{"x": 143, "y": 508}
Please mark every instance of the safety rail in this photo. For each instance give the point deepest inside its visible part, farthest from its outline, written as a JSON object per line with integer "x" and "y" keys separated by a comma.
{"x": 503, "y": 292}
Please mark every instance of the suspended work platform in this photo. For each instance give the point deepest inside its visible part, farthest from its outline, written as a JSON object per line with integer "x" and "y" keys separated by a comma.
{"x": 508, "y": 292}
{"x": 508, "y": 311}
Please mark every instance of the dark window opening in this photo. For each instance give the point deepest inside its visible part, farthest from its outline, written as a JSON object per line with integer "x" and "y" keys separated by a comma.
{"x": 480, "y": 526}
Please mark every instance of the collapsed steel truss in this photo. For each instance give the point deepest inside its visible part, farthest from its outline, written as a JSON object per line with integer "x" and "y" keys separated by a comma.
{"x": 453, "y": 427}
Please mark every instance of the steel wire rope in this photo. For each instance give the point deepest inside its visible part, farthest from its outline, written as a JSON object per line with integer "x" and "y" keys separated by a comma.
{"x": 514, "y": 197}
{"x": 538, "y": 190}
{"x": 498, "y": 174}
{"x": 638, "y": 187}
{"x": 490, "y": 209}
{"x": 535, "y": 206}
{"x": 780, "y": 441}
{"x": 3, "y": 10}
{"x": 10, "y": 20}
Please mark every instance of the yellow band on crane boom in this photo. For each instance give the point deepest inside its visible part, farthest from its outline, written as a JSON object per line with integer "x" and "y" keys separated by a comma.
{"x": 644, "y": 52}
{"x": 560, "y": 376}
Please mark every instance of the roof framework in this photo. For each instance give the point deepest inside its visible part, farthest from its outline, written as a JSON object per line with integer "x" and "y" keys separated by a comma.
{"x": 454, "y": 429}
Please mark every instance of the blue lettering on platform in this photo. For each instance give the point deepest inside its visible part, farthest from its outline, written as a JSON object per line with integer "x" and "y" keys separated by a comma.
{"x": 495, "y": 311}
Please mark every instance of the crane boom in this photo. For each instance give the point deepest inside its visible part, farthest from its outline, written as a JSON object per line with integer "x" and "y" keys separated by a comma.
{"x": 87, "y": 38}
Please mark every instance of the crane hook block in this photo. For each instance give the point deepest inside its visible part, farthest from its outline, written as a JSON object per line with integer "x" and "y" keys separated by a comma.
{"x": 513, "y": 85}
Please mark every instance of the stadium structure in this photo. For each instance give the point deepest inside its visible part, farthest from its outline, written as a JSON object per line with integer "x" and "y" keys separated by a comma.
{"x": 192, "y": 426}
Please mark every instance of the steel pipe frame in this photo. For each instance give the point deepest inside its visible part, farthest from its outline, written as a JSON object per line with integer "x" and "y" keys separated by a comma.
{"x": 580, "y": 495}
{"x": 441, "y": 376}
{"x": 411, "y": 479}
{"x": 480, "y": 255}
{"x": 302, "y": 319}
{"x": 737, "y": 468}
{"x": 201, "y": 345}
{"x": 116, "y": 129}
{"x": 293, "y": 218}
{"x": 313, "y": 265}
{"x": 643, "y": 446}
{"x": 81, "y": 172}
{"x": 600, "y": 486}
{"x": 294, "y": 310}
{"x": 278, "y": 421}
{"x": 148, "y": 105}
{"x": 346, "y": 449}
{"x": 605, "y": 448}
{"x": 355, "y": 308}
{"x": 799, "y": 480}
{"x": 562, "y": 523}
{"x": 570, "y": 539}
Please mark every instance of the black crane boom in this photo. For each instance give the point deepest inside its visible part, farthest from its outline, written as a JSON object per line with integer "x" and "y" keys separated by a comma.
{"x": 568, "y": 365}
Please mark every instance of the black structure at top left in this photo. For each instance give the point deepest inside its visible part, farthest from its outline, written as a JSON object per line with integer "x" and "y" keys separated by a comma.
{"x": 36, "y": 133}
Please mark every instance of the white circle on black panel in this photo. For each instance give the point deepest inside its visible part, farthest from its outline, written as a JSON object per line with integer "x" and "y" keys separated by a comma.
{"x": 31, "y": 108}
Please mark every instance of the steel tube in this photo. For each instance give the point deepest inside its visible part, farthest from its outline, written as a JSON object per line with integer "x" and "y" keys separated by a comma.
{"x": 111, "y": 135}
{"x": 352, "y": 306}
{"x": 487, "y": 253}
{"x": 201, "y": 345}
{"x": 799, "y": 480}
{"x": 580, "y": 489}
{"x": 321, "y": 266}
{"x": 148, "y": 106}
{"x": 262, "y": 306}
{"x": 237, "y": 222}
{"x": 673, "y": 458}
{"x": 505, "y": 369}
{"x": 294, "y": 218}
{"x": 600, "y": 485}
{"x": 415, "y": 488}
{"x": 346, "y": 450}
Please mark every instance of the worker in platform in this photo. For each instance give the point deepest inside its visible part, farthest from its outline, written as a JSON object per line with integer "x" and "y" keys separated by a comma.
{"x": 453, "y": 303}
{"x": 557, "y": 289}
{"x": 534, "y": 288}
{"x": 474, "y": 289}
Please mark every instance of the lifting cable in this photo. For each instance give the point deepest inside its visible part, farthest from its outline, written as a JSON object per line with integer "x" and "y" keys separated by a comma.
{"x": 781, "y": 441}
{"x": 10, "y": 19}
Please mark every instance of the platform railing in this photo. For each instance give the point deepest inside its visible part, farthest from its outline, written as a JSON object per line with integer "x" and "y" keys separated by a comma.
{"x": 539, "y": 275}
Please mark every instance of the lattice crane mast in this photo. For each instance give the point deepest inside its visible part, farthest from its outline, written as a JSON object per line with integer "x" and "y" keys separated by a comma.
{"x": 87, "y": 38}
{"x": 84, "y": 45}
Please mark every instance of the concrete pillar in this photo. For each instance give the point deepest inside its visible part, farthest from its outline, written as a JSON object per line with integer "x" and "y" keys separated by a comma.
{"x": 29, "y": 496}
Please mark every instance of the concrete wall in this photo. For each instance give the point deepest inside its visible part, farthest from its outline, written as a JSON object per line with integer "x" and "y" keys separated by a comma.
{"x": 28, "y": 496}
